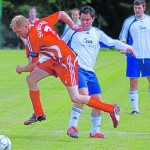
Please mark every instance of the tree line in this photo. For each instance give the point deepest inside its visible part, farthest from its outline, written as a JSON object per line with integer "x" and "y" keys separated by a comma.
{"x": 110, "y": 14}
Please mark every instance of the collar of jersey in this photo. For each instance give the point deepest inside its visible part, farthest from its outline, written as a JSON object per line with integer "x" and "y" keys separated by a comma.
{"x": 140, "y": 18}
{"x": 88, "y": 29}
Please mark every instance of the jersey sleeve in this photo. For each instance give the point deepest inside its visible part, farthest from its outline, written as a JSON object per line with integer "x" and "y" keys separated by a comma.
{"x": 52, "y": 19}
{"x": 27, "y": 51}
{"x": 67, "y": 36}
{"x": 108, "y": 42}
{"x": 125, "y": 28}
{"x": 124, "y": 33}
{"x": 34, "y": 49}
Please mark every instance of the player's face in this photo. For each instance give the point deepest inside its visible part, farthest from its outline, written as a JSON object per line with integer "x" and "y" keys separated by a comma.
{"x": 139, "y": 10}
{"x": 21, "y": 31}
{"x": 32, "y": 13}
{"x": 87, "y": 20}
{"x": 75, "y": 16}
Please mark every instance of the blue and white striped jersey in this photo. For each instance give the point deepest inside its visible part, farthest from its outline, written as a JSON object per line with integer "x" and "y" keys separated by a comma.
{"x": 136, "y": 32}
{"x": 86, "y": 45}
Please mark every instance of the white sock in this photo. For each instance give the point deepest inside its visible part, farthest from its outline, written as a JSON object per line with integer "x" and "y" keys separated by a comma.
{"x": 74, "y": 117}
{"x": 96, "y": 121}
{"x": 134, "y": 97}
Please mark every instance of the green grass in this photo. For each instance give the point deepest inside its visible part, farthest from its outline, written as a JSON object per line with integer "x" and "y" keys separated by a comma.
{"x": 133, "y": 132}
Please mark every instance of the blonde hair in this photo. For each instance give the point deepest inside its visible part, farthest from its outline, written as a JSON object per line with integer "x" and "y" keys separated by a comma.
{"x": 19, "y": 21}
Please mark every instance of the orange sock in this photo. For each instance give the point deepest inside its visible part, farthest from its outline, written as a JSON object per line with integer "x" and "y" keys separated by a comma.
{"x": 36, "y": 103}
{"x": 100, "y": 105}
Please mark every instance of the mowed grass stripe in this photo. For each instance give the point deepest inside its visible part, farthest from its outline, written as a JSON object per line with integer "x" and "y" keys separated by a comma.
{"x": 132, "y": 133}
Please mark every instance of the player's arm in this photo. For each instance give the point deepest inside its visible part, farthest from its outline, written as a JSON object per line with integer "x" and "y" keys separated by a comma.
{"x": 108, "y": 41}
{"x": 66, "y": 18}
{"x": 27, "y": 68}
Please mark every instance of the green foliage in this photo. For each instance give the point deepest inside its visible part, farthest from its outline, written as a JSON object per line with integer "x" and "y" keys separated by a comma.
{"x": 109, "y": 14}
{"x": 133, "y": 132}
{"x": 126, "y": 5}
{"x": 23, "y": 9}
{"x": 7, "y": 7}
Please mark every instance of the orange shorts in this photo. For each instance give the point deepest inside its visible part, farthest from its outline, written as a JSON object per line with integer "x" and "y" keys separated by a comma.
{"x": 66, "y": 69}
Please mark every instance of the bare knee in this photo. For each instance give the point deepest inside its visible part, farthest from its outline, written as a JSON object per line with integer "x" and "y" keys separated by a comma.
{"x": 30, "y": 80}
{"x": 75, "y": 98}
{"x": 133, "y": 84}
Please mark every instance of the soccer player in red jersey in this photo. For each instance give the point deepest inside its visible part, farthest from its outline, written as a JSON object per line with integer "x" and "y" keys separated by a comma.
{"x": 59, "y": 61}
{"x": 32, "y": 19}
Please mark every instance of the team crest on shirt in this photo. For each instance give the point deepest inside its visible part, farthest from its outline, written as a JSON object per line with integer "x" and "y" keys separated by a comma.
{"x": 142, "y": 28}
{"x": 88, "y": 42}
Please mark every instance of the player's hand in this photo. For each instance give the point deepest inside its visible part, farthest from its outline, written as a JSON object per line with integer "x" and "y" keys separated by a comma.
{"x": 19, "y": 69}
{"x": 128, "y": 50}
{"x": 80, "y": 27}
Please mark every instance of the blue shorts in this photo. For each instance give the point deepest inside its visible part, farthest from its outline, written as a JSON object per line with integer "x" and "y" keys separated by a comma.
{"x": 137, "y": 67}
{"x": 88, "y": 79}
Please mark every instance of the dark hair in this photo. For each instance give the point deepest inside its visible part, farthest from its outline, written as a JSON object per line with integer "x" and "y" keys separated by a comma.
{"x": 88, "y": 10}
{"x": 139, "y": 2}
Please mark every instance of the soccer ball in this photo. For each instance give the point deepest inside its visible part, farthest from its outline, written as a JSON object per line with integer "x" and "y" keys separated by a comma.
{"x": 5, "y": 143}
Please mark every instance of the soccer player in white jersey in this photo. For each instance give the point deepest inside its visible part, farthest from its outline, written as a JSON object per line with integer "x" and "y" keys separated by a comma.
{"x": 86, "y": 45}
{"x": 136, "y": 32}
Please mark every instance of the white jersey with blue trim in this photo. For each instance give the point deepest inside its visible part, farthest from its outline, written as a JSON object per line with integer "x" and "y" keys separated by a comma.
{"x": 86, "y": 45}
{"x": 136, "y": 32}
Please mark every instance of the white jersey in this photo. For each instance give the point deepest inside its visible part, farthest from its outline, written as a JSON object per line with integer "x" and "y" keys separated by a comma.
{"x": 136, "y": 32}
{"x": 86, "y": 45}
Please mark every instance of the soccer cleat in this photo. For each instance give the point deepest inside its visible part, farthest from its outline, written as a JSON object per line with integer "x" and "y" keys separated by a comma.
{"x": 73, "y": 132}
{"x": 134, "y": 112}
{"x": 115, "y": 116}
{"x": 34, "y": 119}
{"x": 97, "y": 135}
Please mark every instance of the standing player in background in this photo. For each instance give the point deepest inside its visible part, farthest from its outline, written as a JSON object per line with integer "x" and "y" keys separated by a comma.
{"x": 32, "y": 18}
{"x": 136, "y": 32}
{"x": 59, "y": 61}
{"x": 33, "y": 15}
{"x": 75, "y": 15}
{"x": 86, "y": 44}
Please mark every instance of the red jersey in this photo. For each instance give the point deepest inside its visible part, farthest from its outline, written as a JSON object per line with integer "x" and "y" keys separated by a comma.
{"x": 44, "y": 39}
{"x": 26, "y": 47}
{"x": 33, "y": 22}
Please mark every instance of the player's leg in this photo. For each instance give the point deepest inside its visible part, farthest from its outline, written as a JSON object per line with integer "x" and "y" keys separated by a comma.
{"x": 36, "y": 75}
{"x": 69, "y": 77}
{"x": 74, "y": 116}
{"x": 96, "y": 120}
{"x": 77, "y": 108}
{"x": 134, "y": 96}
{"x": 133, "y": 72}
{"x": 94, "y": 103}
{"x": 95, "y": 91}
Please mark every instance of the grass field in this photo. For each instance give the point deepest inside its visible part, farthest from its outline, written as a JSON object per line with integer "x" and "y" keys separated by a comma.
{"x": 133, "y": 132}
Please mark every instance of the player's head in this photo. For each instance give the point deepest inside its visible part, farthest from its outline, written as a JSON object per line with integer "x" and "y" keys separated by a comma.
{"x": 75, "y": 14}
{"x": 87, "y": 16}
{"x": 20, "y": 25}
{"x": 139, "y": 8}
{"x": 32, "y": 12}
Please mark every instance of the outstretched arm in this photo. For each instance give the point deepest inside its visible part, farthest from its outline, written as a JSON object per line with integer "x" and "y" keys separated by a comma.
{"x": 66, "y": 18}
